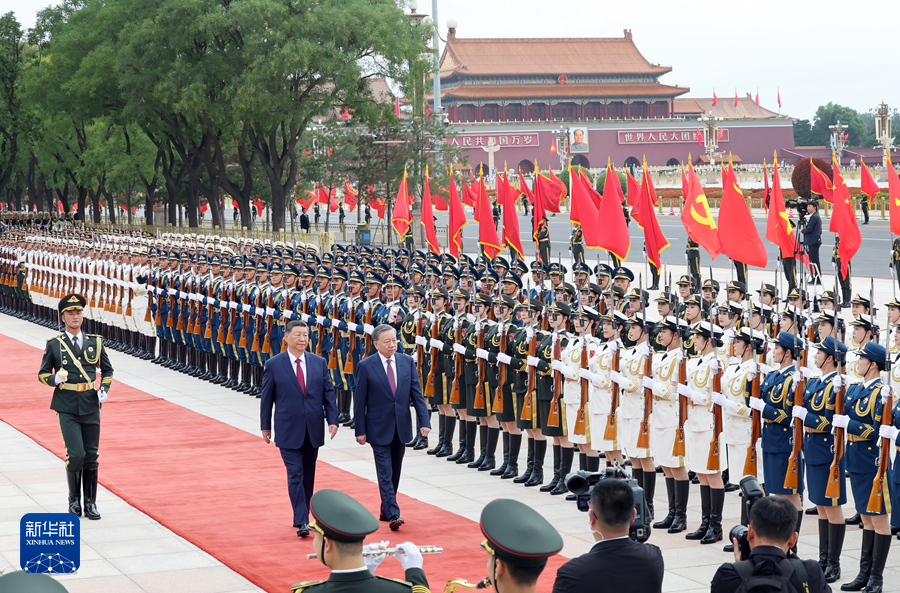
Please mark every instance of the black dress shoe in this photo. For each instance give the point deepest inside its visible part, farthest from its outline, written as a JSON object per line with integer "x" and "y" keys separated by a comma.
{"x": 729, "y": 487}
{"x": 303, "y": 530}
{"x": 728, "y": 548}
{"x": 396, "y": 522}
{"x": 812, "y": 511}
{"x": 382, "y": 517}
{"x": 422, "y": 444}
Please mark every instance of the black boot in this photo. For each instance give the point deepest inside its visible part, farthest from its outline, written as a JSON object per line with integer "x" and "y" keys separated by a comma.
{"x": 879, "y": 559}
{"x": 440, "y": 442}
{"x": 667, "y": 520}
{"x": 490, "y": 459}
{"x": 799, "y": 523}
{"x": 529, "y": 464}
{"x": 463, "y": 431}
{"x": 502, "y": 469}
{"x": 416, "y": 435}
{"x": 716, "y": 504}
{"x": 836, "y": 534}
{"x": 823, "y": 543}
{"x": 568, "y": 455}
{"x": 228, "y": 372}
{"x": 537, "y": 473}
{"x": 471, "y": 433}
{"x": 704, "y": 507}
{"x": 865, "y": 563}
{"x": 682, "y": 493}
{"x": 449, "y": 429}
{"x": 649, "y": 492}
{"x": 482, "y": 444}
{"x": 512, "y": 467}
{"x": 89, "y": 482}
{"x": 74, "y": 479}
{"x": 557, "y": 460}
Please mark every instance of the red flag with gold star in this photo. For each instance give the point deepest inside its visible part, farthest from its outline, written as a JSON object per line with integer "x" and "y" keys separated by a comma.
{"x": 843, "y": 219}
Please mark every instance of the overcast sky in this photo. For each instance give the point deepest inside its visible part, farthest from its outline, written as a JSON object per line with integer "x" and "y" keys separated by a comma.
{"x": 815, "y": 52}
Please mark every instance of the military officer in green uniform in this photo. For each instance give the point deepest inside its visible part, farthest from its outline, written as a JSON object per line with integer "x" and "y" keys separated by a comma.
{"x": 70, "y": 366}
{"x": 543, "y": 240}
{"x": 576, "y": 244}
{"x": 340, "y": 524}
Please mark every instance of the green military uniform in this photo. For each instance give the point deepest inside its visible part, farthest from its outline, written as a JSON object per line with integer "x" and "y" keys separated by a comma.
{"x": 693, "y": 256}
{"x": 543, "y": 239}
{"x": 576, "y": 244}
{"x": 844, "y": 281}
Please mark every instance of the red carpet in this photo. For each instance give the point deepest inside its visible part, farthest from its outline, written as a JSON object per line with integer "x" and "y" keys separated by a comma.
{"x": 223, "y": 489}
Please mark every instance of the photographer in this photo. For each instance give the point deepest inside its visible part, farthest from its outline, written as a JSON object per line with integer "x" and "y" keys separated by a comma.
{"x": 770, "y": 535}
{"x": 615, "y": 562}
{"x": 812, "y": 240}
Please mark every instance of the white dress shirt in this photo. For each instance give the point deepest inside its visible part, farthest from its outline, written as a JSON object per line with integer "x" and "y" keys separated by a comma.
{"x": 393, "y": 370}
{"x": 76, "y": 339}
{"x": 302, "y": 360}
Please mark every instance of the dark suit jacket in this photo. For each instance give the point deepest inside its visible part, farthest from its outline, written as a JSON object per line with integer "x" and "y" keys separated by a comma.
{"x": 297, "y": 412}
{"x": 727, "y": 580}
{"x": 378, "y": 413}
{"x": 812, "y": 234}
{"x": 615, "y": 566}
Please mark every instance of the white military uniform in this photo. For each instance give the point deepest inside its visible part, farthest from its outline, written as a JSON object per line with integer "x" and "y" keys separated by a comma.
{"x": 664, "y": 418}
{"x": 736, "y": 416}
{"x": 699, "y": 425}
{"x": 600, "y": 397}
{"x": 631, "y": 399}
{"x": 571, "y": 359}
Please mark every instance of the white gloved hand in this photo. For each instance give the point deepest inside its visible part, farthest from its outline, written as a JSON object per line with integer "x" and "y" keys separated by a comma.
{"x": 556, "y": 365}
{"x": 532, "y": 361}
{"x": 757, "y": 404}
{"x": 431, "y": 316}
{"x": 320, "y": 319}
{"x": 886, "y": 392}
{"x": 613, "y": 346}
{"x": 840, "y": 421}
{"x": 421, "y": 341}
{"x": 809, "y": 323}
{"x": 799, "y": 412}
{"x": 648, "y": 382}
{"x": 459, "y": 349}
{"x": 303, "y": 297}
{"x": 270, "y": 311}
{"x": 367, "y": 306}
{"x": 210, "y": 300}
{"x": 585, "y": 374}
{"x": 795, "y": 380}
{"x": 805, "y": 372}
{"x": 836, "y": 382}
{"x": 434, "y": 343}
{"x": 734, "y": 360}
{"x": 764, "y": 368}
{"x": 351, "y": 326}
{"x": 714, "y": 365}
{"x": 246, "y": 308}
{"x": 61, "y": 378}
{"x": 335, "y": 322}
{"x": 615, "y": 376}
{"x": 304, "y": 317}
{"x": 717, "y": 398}
{"x": 102, "y": 395}
{"x": 374, "y": 560}
{"x": 504, "y": 358}
{"x": 642, "y": 349}
{"x": 233, "y": 305}
{"x": 890, "y": 432}
{"x": 368, "y": 328}
{"x": 411, "y": 556}
{"x": 683, "y": 390}
{"x": 288, "y": 314}
{"x": 679, "y": 356}
{"x": 481, "y": 353}
{"x": 529, "y": 333}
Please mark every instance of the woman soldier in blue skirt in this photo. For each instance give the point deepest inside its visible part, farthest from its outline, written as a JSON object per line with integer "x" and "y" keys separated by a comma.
{"x": 863, "y": 407}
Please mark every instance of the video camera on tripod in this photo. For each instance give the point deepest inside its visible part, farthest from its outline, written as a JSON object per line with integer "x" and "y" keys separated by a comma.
{"x": 580, "y": 484}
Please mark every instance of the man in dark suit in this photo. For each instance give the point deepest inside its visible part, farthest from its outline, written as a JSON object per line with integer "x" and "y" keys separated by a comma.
{"x": 812, "y": 239}
{"x": 616, "y": 562}
{"x": 304, "y": 221}
{"x": 298, "y": 384}
{"x": 386, "y": 384}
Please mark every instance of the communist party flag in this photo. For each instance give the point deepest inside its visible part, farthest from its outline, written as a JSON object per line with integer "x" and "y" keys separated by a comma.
{"x": 654, "y": 239}
{"x": 869, "y": 187}
{"x": 507, "y": 198}
{"x": 457, "y": 220}
{"x": 778, "y": 227}
{"x": 487, "y": 231}
{"x": 611, "y": 217}
{"x": 843, "y": 220}
{"x": 428, "y": 218}
{"x": 893, "y": 197}
{"x": 402, "y": 216}
{"x": 697, "y": 218}
{"x": 820, "y": 184}
{"x": 738, "y": 235}
{"x": 351, "y": 198}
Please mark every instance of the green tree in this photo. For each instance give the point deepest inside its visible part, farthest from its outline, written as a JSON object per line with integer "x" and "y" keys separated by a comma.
{"x": 858, "y": 133}
{"x": 14, "y": 119}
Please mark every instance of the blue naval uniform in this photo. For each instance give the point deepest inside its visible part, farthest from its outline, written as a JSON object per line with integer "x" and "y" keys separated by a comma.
{"x": 153, "y": 279}
{"x": 863, "y": 406}
{"x": 215, "y": 293}
{"x": 332, "y": 310}
{"x": 359, "y": 340}
{"x": 237, "y": 296}
{"x": 894, "y": 482}
{"x": 252, "y": 329}
{"x": 778, "y": 392}
{"x": 165, "y": 306}
{"x": 281, "y": 302}
{"x": 320, "y": 331}
{"x": 182, "y": 310}
{"x": 818, "y": 446}
{"x": 262, "y": 324}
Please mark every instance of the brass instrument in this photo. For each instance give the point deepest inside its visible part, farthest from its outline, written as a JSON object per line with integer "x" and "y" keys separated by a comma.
{"x": 454, "y": 584}
{"x": 392, "y": 552}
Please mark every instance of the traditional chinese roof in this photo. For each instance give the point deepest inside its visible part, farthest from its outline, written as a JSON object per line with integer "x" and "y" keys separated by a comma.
{"x": 538, "y": 91}
{"x": 569, "y": 56}
{"x": 686, "y": 107}
{"x": 725, "y": 107}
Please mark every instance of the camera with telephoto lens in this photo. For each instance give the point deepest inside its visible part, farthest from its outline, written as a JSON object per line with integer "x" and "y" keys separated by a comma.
{"x": 580, "y": 484}
{"x": 800, "y": 206}
{"x": 751, "y": 492}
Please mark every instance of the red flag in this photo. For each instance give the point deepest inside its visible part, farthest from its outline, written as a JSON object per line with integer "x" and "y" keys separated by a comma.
{"x": 645, "y": 187}
{"x": 332, "y": 202}
{"x": 487, "y": 230}
{"x": 843, "y": 219}
{"x": 589, "y": 186}
{"x": 699, "y": 136}
{"x": 345, "y": 114}
{"x": 698, "y": 220}
{"x": 735, "y": 101}
{"x": 437, "y": 196}
{"x": 715, "y": 99}
{"x": 457, "y": 220}
{"x": 685, "y": 184}
{"x": 538, "y": 214}
{"x": 893, "y": 197}
{"x": 397, "y": 107}
{"x": 523, "y": 188}
{"x": 351, "y": 197}
{"x": 819, "y": 183}
{"x": 868, "y": 185}
{"x": 654, "y": 240}
{"x": 428, "y": 218}
{"x": 380, "y": 207}
{"x": 757, "y": 98}
{"x": 585, "y": 212}
{"x": 122, "y": 206}
{"x": 738, "y": 235}
{"x": 507, "y": 198}
{"x": 469, "y": 195}
{"x": 259, "y": 207}
{"x": 553, "y": 146}
{"x": 402, "y": 217}
{"x": 203, "y": 208}
{"x": 611, "y": 218}
{"x": 552, "y": 192}
{"x": 633, "y": 189}
{"x": 778, "y": 227}
{"x": 562, "y": 188}
{"x": 779, "y": 98}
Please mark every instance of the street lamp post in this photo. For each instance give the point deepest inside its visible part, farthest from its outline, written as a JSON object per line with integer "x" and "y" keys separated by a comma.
{"x": 562, "y": 146}
{"x": 883, "y": 116}
{"x": 711, "y": 145}
{"x": 837, "y": 133}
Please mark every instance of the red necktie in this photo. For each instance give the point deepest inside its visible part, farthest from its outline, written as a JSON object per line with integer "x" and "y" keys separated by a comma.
{"x": 300, "y": 378}
{"x": 391, "y": 381}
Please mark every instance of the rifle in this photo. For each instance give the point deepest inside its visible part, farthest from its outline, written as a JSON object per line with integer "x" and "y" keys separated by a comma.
{"x": 835, "y": 474}
{"x": 348, "y": 364}
{"x": 643, "y": 441}
{"x": 750, "y": 464}
{"x": 432, "y": 371}
{"x": 791, "y": 479}
{"x": 499, "y": 402}
{"x": 876, "y": 498}
{"x": 150, "y": 297}
{"x": 335, "y": 333}
{"x": 528, "y": 403}
{"x": 192, "y": 314}
{"x": 579, "y": 421}
{"x": 553, "y": 419}
{"x": 245, "y": 298}
{"x": 610, "y": 433}
{"x": 368, "y": 342}
{"x": 479, "y": 386}
{"x": 420, "y": 350}
{"x": 231, "y": 315}
{"x": 678, "y": 449}
{"x": 207, "y": 334}
{"x": 118, "y": 290}
{"x": 319, "y": 331}
{"x": 267, "y": 343}
{"x": 713, "y": 461}
{"x": 458, "y": 365}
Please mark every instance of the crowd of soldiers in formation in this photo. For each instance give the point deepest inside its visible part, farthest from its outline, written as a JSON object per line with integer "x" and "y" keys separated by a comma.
{"x": 506, "y": 350}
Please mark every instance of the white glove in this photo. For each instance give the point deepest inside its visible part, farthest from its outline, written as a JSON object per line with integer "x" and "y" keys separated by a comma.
{"x": 809, "y": 323}
{"x": 411, "y": 557}
{"x": 757, "y": 404}
{"x": 765, "y": 368}
{"x": 303, "y": 297}
{"x": 648, "y": 382}
{"x": 714, "y": 365}
{"x": 288, "y": 314}
{"x": 556, "y": 365}
{"x": 888, "y": 431}
{"x": 210, "y": 300}
{"x": 459, "y": 349}
{"x": 304, "y": 317}
{"x": 320, "y": 319}
{"x": 734, "y": 360}
{"x": 319, "y": 299}
{"x": 60, "y": 378}
{"x": 481, "y": 353}
{"x": 270, "y": 311}
{"x": 799, "y": 412}
{"x": 585, "y": 374}
{"x": 642, "y": 349}
{"x": 172, "y": 292}
{"x": 421, "y": 341}
{"x": 613, "y": 346}
{"x": 837, "y": 382}
{"x": 683, "y": 390}
{"x": 373, "y": 560}
{"x": 886, "y": 392}
{"x": 352, "y": 326}
{"x": 529, "y": 333}
{"x": 717, "y": 398}
{"x": 246, "y": 308}
{"x": 233, "y": 305}
{"x": 504, "y": 358}
{"x": 367, "y": 306}
{"x": 368, "y": 328}
{"x": 431, "y": 316}
{"x": 436, "y": 344}
{"x": 840, "y": 421}
{"x": 776, "y": 318}
{"x": 795, "y": 380}
{"x": 335, "y": 322}
{"x": 416, "y": 314}
{"x": 470, "y": 317}
{"x": 615, "y": 376}
{"x": 455, "y": 325}
{"x": 102, "y": 395}
{"x": 532, "y": 361}
{"x": 805, "y": 372}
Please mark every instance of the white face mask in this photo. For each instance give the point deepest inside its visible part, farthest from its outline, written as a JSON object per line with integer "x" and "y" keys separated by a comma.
{"x": 591, "y": 526}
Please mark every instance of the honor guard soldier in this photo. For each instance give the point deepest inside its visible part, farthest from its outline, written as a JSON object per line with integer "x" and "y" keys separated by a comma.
{"x": 477, "y": 393}
{"x": 461, "y": 323}
{"x": 351, "y": 319}
{"x": 70, "y": 365}
{"x": 522, "y": 345}
{"x": 501, "y": 378}
{"x": 582, "y": 273}
{"x": 576, "y": 244}
{"x": 340, "y": 525}
{"x": 844, "y": 278}
{"x": 437, "y": 370}
{"x": 543, "y": 239}
{"x": 692, "y": 251}
{"x": 551, "y": 405}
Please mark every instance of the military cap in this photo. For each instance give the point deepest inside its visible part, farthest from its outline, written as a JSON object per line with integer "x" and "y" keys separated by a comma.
{"x": 374, "y": 278}
{"x": 874, "y": 352}
{"x": 153, "y": 251}
{"x": 278, "y": 253}
{"x": 417, "y": 290}
{"x": 558, "y": 307}
{"x": 672, "y": 323}
{"x": 276, "y": 268}
{"x": 500, "y": 262}
{"x": 595, "y": 288}
{"x": 692, "y": 300}
{"x": 538, "y": 266}
{"x": 308, "y": 270}
{"x": 287, "y": 254}
{"x": 339, "y": 517}
{"x": 894, "y": 303}
{"x": 440, "y": 292}
{"x": 665, "y": 297}
{"x": 417, "y": 267}
{"x": 712, "y": 284}
{"x": 638, "y": 319}
{"x": 418, "y": 255}
{"x": 490, "y": 275}
{"x": 366, "y": 250}
{"x": 569, "y": 288}
{"x": 685, "y": 280}
{"x": 830, "y": 347}
{"x": 469, "y": 272}
{"x": 707, "y": 329}
{"x": 796, "y": 294}
{"x": 733, "y": 307}
{"x": 184, "y": 256}
{"x": 339, "y": 273}
{"x": 249, "y": 264}
{"x": 505, "y": 300}
{"x": 357, "y": 276}
{"x": 536, "y": 305}
{"x": 378, "y": 252}
{"x": 557, "y": 268}
{"x": 623, "y": 272}
{"x": 752, "y": 336}
{"x": 465, "y": 259}
{"x": 603, "y": 270}
{"x": 71, "y": 302}
{"x": 341, "y": 261}
{"x": 581, "y": 268}
{"x": 482, "y": 299}
{"x": 519, "y": 267}
{"x": 518, "y": 534}
{"x": 794, "y": 312}
{"x": 736, "y": 285}
{"x": 313, "y": 258}
{"x": 643, "y": 295}
{"x": 461, "y": 293}
{"x": 215, "y": 261}
{"x": 762, "y": 309}
{"x": 323, "y": 272}
{"x": 864, "y": 321}
{"x": 433, "y": 258}
{"x": 788, "y": 341}
{"x": 291, "y": 270}
{"x": 201, "y": 259}
{"x": 19, "y": 581}
{"x": 337, "y": 248}
{"x": 768, "y": 289}
{"x": 826, "y": 316}
{"x": 450, "y": 270}
{"x": 828, "y": 296}
{"x": 432, "y": 270}
{"x": 262, "y": 267}
{"x": 397, "y": 267}
{"x": 511, "y": 276}
{"x": 447, "y": 258}
{"x": 617, "y": 291}
{"x": 589, "y": 312}
{"x": 482, "y": 261}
